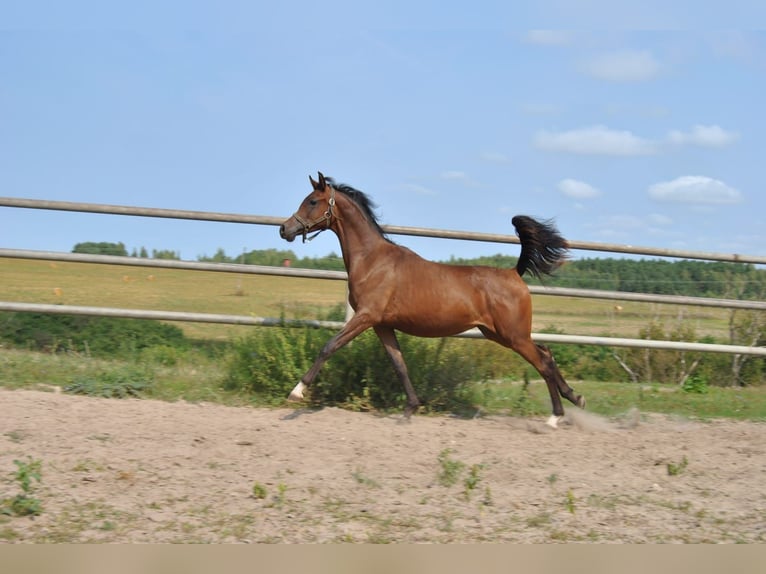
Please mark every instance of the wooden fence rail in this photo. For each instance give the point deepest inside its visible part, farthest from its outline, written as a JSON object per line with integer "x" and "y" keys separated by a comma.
{"x": 340, "y": 275}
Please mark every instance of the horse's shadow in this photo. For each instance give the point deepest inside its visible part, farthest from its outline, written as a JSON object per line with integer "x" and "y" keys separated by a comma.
{"x": 304, "y": 411}
{"x": 297, "y": 413}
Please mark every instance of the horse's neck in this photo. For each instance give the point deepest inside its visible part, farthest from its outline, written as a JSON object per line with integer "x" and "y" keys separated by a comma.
{"x": 358, "y": 238}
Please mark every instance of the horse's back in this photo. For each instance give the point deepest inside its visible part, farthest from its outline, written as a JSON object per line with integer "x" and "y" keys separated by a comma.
{"x": 427, "y": 298}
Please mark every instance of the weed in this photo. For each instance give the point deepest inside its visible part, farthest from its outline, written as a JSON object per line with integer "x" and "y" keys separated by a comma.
{"x": 539, "y": 520}
{"x": 553, "y": 478}
{"x": 360, "y": 404}
{"x": 108, "y": 526}
{"x": 522, "y": 405}
{"x": 16, "y": 435}
{"x": 362, "y": 479}
{"x": 105, "y": 437}
{"x": 8, "y": 534}
{"x": 88, "y": 465}
{"x": 569, "y": 503}
{"x": 259, "y": 491}
{"x": 676, "y": 469}
{"x": 24, "y": 504}
{"x": 487, "y": 499}
{"x": 450, "y": 469}
{"x": 118, "y": 383}
{"x": 472, "y": 480}
{"x": 695, "y": 384}
{"x": 281, "y": 491}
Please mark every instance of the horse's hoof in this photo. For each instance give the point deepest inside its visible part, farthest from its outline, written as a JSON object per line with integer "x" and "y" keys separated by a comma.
{"x": 410, "y": 410}
{"x": 553, "y": 421}
{"x": 581, "y": 402}
{"x": 296, "y": 395}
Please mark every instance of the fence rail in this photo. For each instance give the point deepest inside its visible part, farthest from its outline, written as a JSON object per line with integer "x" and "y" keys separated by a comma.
{"x": 273, "y": 322}
{"x": 392, "y": 229}
{"x": 340, "y": 275}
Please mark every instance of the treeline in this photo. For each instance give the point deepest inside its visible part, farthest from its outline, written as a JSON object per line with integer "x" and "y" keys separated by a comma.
{"x": 119, "y": 249}
{"x": 682, "y": 277}
{"x": 278, "y": 258}
{"x": 657, "y": 276}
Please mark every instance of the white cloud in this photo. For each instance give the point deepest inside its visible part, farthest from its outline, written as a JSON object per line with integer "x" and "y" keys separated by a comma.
{"x": 541, "y": 109}
{"x": 621, "y": 223}
{"x": 577, "y": 189}
{"x": 660, "y": 219}
{"x": 595, "y": 140}
{"x": 458, "y": 176}
{"x": 705, "y": 136}
{"x": 453, "y": 175}
{"x": 496, "y": 157}
{"x": 740, "y": 45}
{"x": 419, "y": 189}
{"x": 695, "y": 189}
{"x": 548, "y": 37}
{"x": 624, "y": 66}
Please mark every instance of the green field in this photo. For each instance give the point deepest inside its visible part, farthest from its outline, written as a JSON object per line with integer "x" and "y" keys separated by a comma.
{"x": 270, "y": 296}
{"x": 32, "y": 281}
{"x": 198, "y": 377}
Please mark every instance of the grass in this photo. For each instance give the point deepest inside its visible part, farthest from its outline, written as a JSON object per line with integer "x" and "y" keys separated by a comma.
{"x": 199, "y": 379}
{"x": 268, "y": 296}
{"x": 615, "y": 398}
{"x": 34, "y": 281}
{"x": 196, "y": 378}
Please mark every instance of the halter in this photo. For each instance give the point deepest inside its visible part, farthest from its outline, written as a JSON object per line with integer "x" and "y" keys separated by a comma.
{"x": 327, "y": 216}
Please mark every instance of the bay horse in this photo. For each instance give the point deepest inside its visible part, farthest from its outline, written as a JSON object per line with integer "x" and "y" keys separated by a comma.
{"x": 391, "y": 287}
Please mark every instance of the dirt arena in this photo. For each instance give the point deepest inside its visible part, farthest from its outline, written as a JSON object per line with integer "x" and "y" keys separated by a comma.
{"x": 149, "y": 471}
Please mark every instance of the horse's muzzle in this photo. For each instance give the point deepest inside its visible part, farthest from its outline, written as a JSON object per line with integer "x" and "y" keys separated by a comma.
{"x": 288, "y": 233}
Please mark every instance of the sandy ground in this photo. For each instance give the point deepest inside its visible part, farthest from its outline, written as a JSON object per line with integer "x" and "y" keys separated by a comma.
{"x": 149, "y": 471}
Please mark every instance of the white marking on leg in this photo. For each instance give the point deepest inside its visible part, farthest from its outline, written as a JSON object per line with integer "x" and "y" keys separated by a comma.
{"x": 553, "y": 421}
{"x": 296, "y": 394}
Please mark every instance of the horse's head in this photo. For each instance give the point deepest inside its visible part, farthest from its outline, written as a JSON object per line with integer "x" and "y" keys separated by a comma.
{"x": 314, "y": 214}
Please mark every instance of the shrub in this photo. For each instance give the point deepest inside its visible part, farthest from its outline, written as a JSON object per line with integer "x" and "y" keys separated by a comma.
{"x": 24, "y": 503}
{"x": 98, "y": 336}
{"x": 269, "y": 362}
{"x": 118, "y": 383}
{"x": 695, "y": 384}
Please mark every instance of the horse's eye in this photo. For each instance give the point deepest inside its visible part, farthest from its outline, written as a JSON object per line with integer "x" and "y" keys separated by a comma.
{"x": 312, "y": 201}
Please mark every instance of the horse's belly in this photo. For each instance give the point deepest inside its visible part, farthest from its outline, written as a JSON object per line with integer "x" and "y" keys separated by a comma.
{"x": 425, "y": 326}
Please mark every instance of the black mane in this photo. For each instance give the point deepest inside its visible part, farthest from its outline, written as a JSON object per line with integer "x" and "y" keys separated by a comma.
{"x": 362, "y": 200}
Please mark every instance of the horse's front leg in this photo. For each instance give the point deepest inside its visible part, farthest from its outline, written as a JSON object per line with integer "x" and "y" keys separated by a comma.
{"x": 388, "y": 337}
{"x": 356, "y": 325}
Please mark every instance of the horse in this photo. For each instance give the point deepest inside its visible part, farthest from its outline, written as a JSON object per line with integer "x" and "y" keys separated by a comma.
{"x": 391, "y": 288}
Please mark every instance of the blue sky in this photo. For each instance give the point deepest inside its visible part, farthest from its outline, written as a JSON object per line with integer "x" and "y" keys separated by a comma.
{"x": 449, "y": 117}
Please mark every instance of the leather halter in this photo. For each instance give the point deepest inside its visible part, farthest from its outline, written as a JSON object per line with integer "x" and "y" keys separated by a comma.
{"x": 326, "y": 216}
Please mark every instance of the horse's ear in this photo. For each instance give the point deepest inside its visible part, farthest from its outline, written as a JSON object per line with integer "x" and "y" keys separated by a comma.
{"x": 322, "y": 182}
{"x": 314, "y": 184}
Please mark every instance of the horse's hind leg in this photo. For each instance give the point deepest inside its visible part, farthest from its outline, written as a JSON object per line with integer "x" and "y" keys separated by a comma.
{"x": 565, "y": 390}
{"x": 541, "y": 359}
{"x": 387, "y": 336}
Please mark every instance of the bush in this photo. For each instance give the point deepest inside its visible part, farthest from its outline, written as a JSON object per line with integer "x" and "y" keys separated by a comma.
{"x": 269, "y": 362}
{"x": 119, "y": 383}
{"x": 97, "y": 336}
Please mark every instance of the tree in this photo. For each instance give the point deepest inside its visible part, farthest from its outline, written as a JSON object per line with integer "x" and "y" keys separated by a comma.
{"x": 165, "y": 254}
{"x": 101, "y": 248}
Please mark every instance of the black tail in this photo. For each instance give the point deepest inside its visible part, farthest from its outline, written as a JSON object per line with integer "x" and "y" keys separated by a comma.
{"x": 543, "y": 249}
